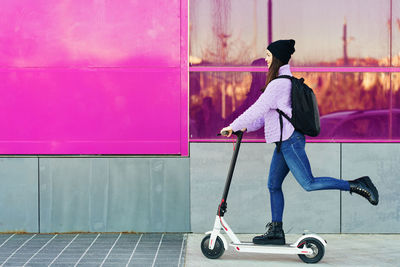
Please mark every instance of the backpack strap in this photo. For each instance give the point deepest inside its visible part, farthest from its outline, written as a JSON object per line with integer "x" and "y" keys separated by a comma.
{"x": 281, "y": 113}
{"x": 280, "y": 140}
{"x": 285, "y": 76}
{"x": 284, "y": 115}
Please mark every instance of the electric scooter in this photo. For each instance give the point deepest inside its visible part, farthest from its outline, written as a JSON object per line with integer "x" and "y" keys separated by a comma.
{"x": 309, "y": 247}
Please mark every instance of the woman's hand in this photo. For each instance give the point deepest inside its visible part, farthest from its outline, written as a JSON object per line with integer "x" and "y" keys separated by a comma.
{"x": 227, "y": 131}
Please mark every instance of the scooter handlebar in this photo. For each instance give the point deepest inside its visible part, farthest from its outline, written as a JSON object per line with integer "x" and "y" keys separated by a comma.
{"x": 237, "y": 133}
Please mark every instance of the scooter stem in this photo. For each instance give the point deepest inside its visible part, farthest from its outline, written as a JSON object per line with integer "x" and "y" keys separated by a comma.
{"x": 222, "y": 207}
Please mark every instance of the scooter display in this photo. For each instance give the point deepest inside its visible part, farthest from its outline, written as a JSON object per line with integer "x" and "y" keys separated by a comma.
{"x": 309, "y": 247}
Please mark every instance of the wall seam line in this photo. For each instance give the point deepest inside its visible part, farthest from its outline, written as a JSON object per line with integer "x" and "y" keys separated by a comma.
{"x": 390, "y": 74}
{"x": 38, "y": 171}
{"x": 341, "y": 177}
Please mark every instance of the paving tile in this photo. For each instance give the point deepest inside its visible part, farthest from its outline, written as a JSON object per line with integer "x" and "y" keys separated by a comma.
{"x": 111, "y": 249}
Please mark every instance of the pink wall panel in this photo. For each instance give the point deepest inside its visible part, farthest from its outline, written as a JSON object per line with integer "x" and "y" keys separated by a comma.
{"x": 93, "y": 77}
{"x": 89, "y": 33}
{"x": 184, "y": 78}
{"x": 89, "y": 111}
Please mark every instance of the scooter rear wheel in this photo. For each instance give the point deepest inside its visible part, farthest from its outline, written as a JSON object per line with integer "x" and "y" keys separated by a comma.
{"x": 215, "y": 253}
{"x": 317, "y": 248}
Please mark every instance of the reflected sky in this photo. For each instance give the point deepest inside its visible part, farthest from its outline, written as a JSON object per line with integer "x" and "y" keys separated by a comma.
{"x": 396, "y": 32}
{"x": 316, "y": 25}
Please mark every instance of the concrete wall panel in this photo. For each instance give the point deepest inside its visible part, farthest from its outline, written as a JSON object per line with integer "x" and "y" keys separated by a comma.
{"x": 248, "y": 199}
{"x": 113, "y": 195}
{"x": 381, "y": 163}
{"x": 19, "y": 194}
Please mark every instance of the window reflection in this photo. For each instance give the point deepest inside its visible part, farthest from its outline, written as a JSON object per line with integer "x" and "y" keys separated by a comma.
{"x": 352, "y": 105}
{"x": 227, "y": 32}
{"x": 335, "y": 33}
{"x": 227, "y": 94}
{"x": 348, "y": 91}
{"x": 396, "y": 34}
{"x": 370, "y": 124}
{"x": 327, "y": 33}
{"x": 396, "y": 106}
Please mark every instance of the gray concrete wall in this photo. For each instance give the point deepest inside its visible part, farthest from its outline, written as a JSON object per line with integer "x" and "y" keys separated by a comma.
{"x": 95, "y": 194}
{"x": 382, "y": 163}
{"x": 319, "y": 211}
{"x": 19, "y": 195}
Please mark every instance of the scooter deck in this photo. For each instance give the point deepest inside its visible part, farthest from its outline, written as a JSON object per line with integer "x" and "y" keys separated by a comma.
{"x": 261, "y": 245}
{"x": 273, "y": 249}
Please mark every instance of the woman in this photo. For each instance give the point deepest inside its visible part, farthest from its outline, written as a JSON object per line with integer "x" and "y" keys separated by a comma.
{"x": 292, "y": 155}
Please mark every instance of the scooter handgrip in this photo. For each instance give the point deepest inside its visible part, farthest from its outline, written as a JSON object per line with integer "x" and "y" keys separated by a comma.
{"x": 226, "y": 133}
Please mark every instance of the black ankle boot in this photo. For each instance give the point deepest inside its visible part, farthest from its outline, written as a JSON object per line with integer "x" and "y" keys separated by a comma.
{"x": 273, "y": 236}
{"x": 364, "y": 187}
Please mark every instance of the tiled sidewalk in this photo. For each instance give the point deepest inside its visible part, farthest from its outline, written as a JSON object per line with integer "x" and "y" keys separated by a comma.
{"x": 92, "y": 249}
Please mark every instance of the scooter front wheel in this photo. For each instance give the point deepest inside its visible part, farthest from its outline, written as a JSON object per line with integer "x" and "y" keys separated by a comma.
{"x": 212, "y": 253}
{"x": 316, "y": 246}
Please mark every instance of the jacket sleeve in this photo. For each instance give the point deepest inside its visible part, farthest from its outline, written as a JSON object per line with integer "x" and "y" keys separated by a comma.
{"x": 255, "y": 125}
{"x": 253, "y": 117}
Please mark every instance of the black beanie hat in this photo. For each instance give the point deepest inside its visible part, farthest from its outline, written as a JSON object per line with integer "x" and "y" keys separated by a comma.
{"x": 282, "y": 49}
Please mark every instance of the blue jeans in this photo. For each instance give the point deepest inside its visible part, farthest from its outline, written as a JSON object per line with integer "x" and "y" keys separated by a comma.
{"x": 293, "y": 157}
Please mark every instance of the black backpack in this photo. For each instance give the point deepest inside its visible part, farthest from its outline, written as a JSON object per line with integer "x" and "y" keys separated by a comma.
{"x": 305, "y": 114}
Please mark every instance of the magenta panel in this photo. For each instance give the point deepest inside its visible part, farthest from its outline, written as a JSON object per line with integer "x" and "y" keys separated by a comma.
{"x": 98, "y": 111}
{"x": 102, "y": 33}
{"x": 94, "y": 77}
{"x": 184, "y": 104}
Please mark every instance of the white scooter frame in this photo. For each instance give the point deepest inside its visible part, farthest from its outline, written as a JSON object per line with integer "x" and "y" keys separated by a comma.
{"x": 294, "y": 248}
{"x": 309, "y": 247}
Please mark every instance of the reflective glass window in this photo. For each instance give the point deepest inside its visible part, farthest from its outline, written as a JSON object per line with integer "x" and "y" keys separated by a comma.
{"x": 396, "y": 105}
{"x": 335, "y": 33}
{"x": 327, "y": 33}
{"x": 217, "y": 98}
{"x": 396, "y": 34}
{"x": 352, "y": 106}
{"x": 227, "y": 32}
